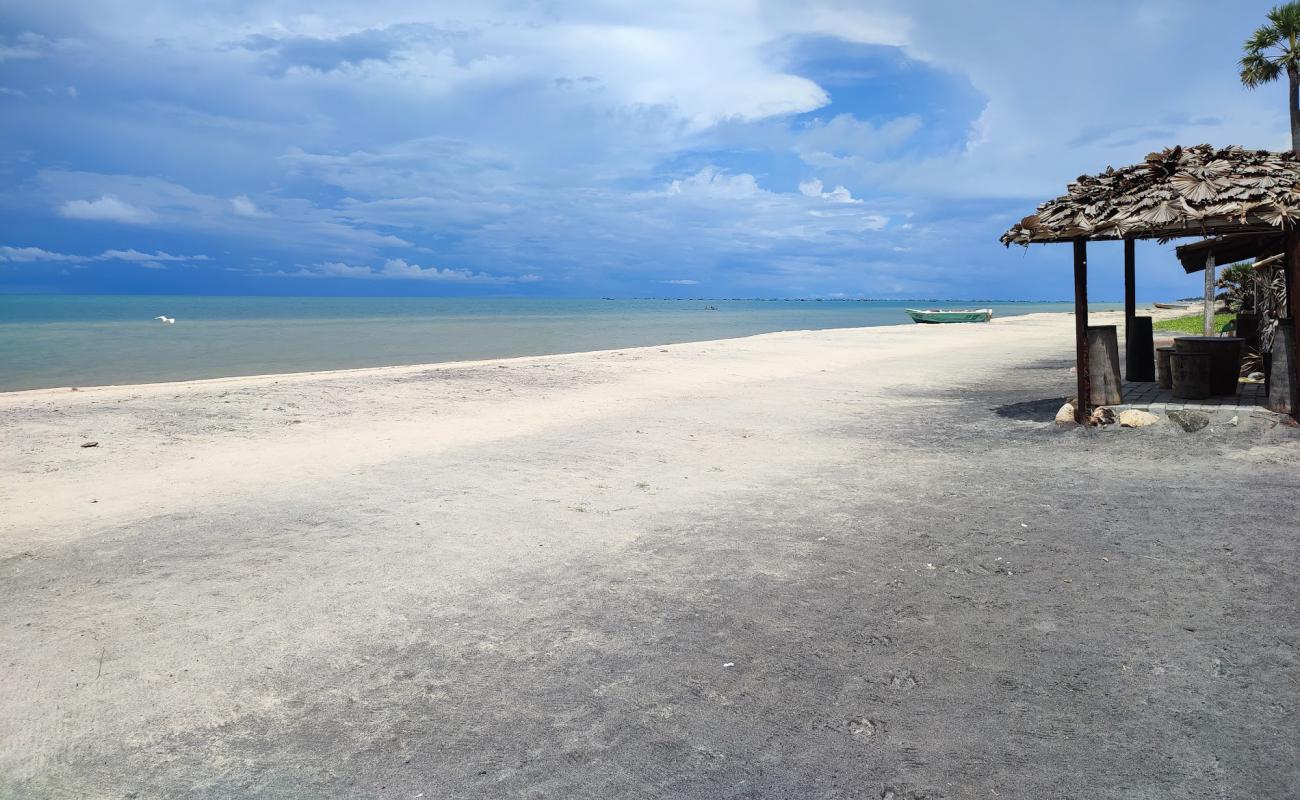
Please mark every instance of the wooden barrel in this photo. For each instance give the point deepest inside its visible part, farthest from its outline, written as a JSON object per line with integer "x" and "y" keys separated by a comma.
{"x": 1225, "y": 359}
{"x": 1139, "y": 362}
{"x": 1282, "y": 394}
{"x": 1103, "y": 365}
{"x": 1163, "y": 379}
{"x": 1190, "y": 373}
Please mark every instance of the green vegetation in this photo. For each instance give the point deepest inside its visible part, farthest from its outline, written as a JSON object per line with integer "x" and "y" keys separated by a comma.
{"x": 1192, "y": 323}
{"x": 1274, "y": 49}
{"x": 1241, "y": 283}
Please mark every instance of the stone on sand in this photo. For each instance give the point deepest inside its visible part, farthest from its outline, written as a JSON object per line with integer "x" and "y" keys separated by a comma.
{"x": 1137, "y": 418}
{"x": 1066, "y": 415}
{"x": 1190, "y": 421}
{"x": 1102, "y": 415}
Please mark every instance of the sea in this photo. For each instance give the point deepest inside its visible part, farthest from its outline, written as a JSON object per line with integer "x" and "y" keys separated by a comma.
{"x": 67, "y": 340}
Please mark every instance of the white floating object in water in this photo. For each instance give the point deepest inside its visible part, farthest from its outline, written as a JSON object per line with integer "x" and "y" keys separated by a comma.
{"x": 166, "y": 320}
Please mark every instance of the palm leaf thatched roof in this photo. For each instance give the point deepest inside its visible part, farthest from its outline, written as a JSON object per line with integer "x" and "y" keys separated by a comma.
{"x": 1180, "y": 191}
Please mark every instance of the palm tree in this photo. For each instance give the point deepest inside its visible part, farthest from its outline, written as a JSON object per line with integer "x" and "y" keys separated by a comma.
{"x": 1276, "y": 47}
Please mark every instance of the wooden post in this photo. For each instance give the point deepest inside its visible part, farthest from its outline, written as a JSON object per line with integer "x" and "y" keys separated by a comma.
{"x": 1103, "y": 365}
{"x": 1293, "y": 303}
{"x": 1130, "y": 304}
{"x": 1209, "y": 295}
{"x": 1083, "y": 404}
{"x": 1291, "y": 273}
{"x": 1130, "y": 281}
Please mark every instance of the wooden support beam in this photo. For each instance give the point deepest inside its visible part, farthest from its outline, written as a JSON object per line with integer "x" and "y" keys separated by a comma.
{"x": 1208, "y": 314}
{"x": 1130, "y": 281}
{"x": 1083, "y": 404}
{"x": 1292, "y": 272}
{"x": 1130, "y": 303}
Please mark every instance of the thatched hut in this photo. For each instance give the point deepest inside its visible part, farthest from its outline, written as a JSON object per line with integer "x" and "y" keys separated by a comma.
{"x": 1246, "y": 201}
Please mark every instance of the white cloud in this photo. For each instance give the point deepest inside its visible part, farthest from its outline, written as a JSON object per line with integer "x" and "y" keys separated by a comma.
{"x": 757, "y": 214}
{"x": 297, "y": 224}
{"x": 681, "y": 282}
{"x": 712, "y": 182}
{"x": 29, "y": 254}
{"x": 399, "y": 269}
{"x": 33, "y": 254}
{"x": 813, "y": 188}
{"x": 846, "y": 141}
{"x": 700, "y": 63}
{"x": 245, "y": 207}
{"x": 136, "y": 255}
{"x": 107, "y": 208}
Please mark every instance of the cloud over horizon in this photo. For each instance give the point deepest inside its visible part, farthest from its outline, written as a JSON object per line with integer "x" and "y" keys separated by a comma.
{"x": 872, "y": 148}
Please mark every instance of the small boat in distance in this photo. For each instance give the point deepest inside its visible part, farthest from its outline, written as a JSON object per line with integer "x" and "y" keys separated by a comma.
{"x": 1178, "y": 306}
{"x": 936, "y": 316}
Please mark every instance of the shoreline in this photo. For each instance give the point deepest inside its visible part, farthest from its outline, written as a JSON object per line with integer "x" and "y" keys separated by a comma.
{"x": 399, "y": 368}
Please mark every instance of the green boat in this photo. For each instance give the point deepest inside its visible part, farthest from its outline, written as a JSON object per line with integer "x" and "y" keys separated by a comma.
{"x": 937, "y": 316}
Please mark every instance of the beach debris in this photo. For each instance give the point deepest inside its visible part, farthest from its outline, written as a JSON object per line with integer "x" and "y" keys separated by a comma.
{"x": 729, "y": 664}
{"x": 862, "y": 727}
{"x": 1234, "y": 421}
{"x": 90, "y": 444}
{"x": 1137, "y": 418}
{"x": 903, "y": 680}
{"x": 1102, "y": 415}
{"x": 1066, "y": 415}
{"x": 1190, "y": 421}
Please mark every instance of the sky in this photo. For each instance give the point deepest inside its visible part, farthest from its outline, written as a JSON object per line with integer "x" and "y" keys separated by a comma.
{"x": 584, "y": 149}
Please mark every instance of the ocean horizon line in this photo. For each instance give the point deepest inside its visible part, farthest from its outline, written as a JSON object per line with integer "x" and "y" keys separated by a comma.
{"x": 580, "y": 298}
{"x": 69, "y": 340}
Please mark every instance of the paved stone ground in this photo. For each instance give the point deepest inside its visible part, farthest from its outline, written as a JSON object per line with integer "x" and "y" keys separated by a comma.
{"x": 1148, "y": 396}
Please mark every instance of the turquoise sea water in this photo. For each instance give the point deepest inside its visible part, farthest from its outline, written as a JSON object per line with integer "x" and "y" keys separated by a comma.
{"x": 60, "y": 340}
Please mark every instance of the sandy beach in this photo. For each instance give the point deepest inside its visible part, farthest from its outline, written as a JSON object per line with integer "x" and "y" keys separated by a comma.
{"x": 857, "y": 563}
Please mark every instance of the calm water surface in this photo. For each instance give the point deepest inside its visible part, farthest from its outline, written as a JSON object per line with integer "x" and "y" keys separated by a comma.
{"x": 60, "y": 340}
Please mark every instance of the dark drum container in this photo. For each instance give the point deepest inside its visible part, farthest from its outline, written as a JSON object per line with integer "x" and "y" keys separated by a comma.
{"x": 1225, "y": 359}
{"x": 1191, "y": 375}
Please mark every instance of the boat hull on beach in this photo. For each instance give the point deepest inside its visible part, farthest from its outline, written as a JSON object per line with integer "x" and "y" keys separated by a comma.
{"x": 939, "y": 316}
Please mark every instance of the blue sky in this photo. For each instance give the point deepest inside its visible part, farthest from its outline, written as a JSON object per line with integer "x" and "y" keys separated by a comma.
{"x": 753, "y": 149}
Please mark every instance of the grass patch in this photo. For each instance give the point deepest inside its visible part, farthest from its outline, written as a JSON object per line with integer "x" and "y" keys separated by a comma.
{"x": 1192, "y": 323}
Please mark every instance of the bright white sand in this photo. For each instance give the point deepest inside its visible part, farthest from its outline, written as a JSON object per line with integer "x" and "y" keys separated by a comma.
{"x": 178, "y": 447}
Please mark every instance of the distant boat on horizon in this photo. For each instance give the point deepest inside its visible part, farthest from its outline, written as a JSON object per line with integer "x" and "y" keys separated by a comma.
{"x": 939, "y": 316}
